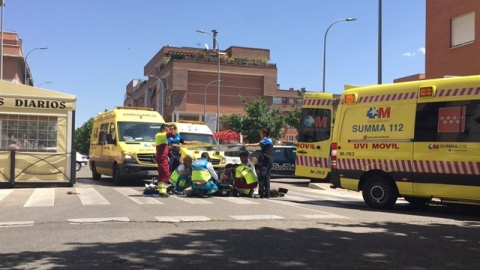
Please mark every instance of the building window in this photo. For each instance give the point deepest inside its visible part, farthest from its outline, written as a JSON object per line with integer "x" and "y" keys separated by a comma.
{"x": 277, "y": 100}
{"x": 463, "y": 29}
{"x": 291, "y": 101}
{"x": 34, "y": 133}
{"x": 299, "y": 101}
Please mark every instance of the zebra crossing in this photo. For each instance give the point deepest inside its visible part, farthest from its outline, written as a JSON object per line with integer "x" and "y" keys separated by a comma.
{"x": 46, "y": 198}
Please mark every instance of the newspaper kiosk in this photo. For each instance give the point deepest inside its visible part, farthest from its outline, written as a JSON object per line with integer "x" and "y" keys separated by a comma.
{"x": 36, "y": 136}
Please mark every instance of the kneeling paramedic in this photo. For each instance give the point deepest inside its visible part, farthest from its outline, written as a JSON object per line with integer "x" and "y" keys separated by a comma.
{"x": 245, "y": 181}
{"x": 202, "y": 174}
{"x": 180, "y": 178}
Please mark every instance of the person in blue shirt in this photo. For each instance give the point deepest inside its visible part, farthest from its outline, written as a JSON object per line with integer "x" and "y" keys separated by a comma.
{"x": 174, "y": 143}
{"x": 265, "y": 162}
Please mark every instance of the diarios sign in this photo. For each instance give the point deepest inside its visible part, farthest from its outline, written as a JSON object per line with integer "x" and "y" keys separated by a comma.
{"x": 32, "y": 103}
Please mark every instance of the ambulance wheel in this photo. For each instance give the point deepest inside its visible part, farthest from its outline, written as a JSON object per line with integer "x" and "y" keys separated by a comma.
{"x": 95, "y": 174}
{"x": 417, "y": 201}
{"x": 78, "y": 166}
{"x": 379, "y": 192}
{"x": 117, "y": 177}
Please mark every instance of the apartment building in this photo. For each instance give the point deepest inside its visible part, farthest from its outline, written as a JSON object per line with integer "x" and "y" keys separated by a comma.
{"x": 14, "y": 68}
{"x": 452, "y": 38}
{"x": 189, "y": 80}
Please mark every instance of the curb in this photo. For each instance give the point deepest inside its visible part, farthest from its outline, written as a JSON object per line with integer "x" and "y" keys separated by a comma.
{"x": 315, "y": 186}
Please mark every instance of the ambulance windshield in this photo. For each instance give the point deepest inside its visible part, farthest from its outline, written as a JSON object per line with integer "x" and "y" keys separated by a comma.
{"x": 205, "y": 138}
{"x": 315, "y": 125}
{"x": 137, "y": 131}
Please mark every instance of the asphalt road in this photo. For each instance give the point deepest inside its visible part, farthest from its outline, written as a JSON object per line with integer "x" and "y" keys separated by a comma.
{"x": 98, "y": 225}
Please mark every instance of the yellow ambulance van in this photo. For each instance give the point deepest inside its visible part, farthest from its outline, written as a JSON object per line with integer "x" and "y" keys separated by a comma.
{"x": 122, "y": 144}
{"x": 312, "y": 159}
{"x": 200, "y": 139}
{"x": 417, "y": 140}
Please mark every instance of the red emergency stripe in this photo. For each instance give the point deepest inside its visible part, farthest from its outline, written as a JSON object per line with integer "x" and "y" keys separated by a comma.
{"x": 318, "y": 102}
{"x": 458, "y": 92}
{"x": 415, "y": 166}
{"x": 387, "y": 97}
{"x": 311, "y": 162}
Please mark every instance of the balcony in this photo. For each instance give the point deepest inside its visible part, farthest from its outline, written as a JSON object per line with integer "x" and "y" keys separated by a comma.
{"x": 205, "y": 57}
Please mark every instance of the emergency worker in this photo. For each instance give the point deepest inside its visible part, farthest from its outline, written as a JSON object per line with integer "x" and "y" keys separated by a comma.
{"x": 265, "y": 162}
{"x": 161, "y": 157}
{"x": 246, "y": 162}
{"x": 202, "y": 176}
{"x": 180, "y": 179}
{"x": 245, "y": 181}
{"x": 174, "y": 147}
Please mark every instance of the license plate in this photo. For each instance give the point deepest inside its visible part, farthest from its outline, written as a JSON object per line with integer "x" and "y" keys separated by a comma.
{"x": 152, "y": 173}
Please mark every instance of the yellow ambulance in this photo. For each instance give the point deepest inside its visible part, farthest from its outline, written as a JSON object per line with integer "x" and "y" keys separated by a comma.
{"x": 199, "y": 138}
{"x": 417, "y": 140}
{"x": 312, "y": 159}
{"x": 122, "y": 144}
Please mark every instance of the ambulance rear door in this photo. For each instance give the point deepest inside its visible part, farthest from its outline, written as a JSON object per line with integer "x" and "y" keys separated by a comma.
{"x": 314, "y": 137}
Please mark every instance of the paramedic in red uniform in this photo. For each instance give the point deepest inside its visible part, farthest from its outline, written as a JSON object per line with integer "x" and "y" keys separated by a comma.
{"x": 161, "y": 157}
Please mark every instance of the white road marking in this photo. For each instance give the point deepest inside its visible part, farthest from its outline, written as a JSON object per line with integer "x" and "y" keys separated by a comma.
{"x": 296, "y": 205}
{"x": 16, "y": 224}
{"x": 4, "y": 193}
{"x": 175, "y": 219}
{"x": 137, "y": 196}
{"x": 296, "y": 198}
{"x": 327, "y": 215}
{"x": 257, "y": 217}
{"x": 238, "y": 200}
{"x": 98, "y": 220}
{"x": 193, "y": 200}
{"x": 41, "y": 197}
{"x": 89, "y": 196}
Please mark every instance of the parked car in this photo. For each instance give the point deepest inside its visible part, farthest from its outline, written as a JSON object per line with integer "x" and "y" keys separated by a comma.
{"x": 82, "y": 160}
{"x": 232, "y": 153}
{"x": 283, "y": 160}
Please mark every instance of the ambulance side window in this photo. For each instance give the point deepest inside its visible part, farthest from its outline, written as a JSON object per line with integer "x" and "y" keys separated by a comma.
{"x": 455, "y": 121}
{"x": 102, "y": 135}
{"x": 315, "y": 125}
{"x": 111, "y": 134}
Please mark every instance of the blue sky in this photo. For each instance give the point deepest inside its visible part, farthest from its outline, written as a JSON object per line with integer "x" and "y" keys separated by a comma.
{"x": 95, "y": 48}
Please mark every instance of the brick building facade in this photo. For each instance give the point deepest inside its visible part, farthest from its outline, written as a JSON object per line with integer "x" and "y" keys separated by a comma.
{"x": 13, "y": 60}
{"x": 186, "y": 73}
{"x": 452, "y": 38}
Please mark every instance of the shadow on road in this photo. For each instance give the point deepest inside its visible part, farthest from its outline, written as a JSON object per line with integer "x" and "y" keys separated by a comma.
{"x": 325, "y": 246}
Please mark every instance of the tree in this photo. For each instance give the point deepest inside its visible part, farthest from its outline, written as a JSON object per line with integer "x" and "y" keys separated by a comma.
{"x": 258, "y": 115}
{"x": 293, "y": 118}
{"x": 82, "y": 137}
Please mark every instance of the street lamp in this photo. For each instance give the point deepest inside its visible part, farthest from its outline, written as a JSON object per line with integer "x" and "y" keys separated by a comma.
{"x": 205, "y": 101}
{"x": 163, "y": 92}
{"x": 218, "y": 75}
{"x": 25, "y": 71}
{"x": 325, "y": 45}
{"x": 43, "y": 84}
{"x": 2, "y": 3}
